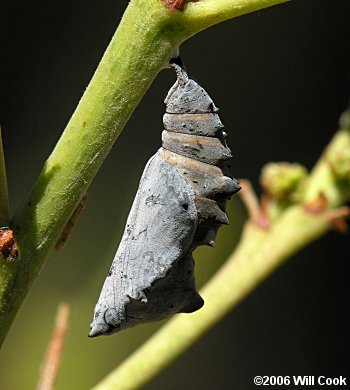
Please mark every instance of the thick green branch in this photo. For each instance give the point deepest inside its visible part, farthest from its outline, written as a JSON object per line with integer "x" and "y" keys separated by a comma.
{"x": 148, "y": 36}
{"x": 257, "y": 255}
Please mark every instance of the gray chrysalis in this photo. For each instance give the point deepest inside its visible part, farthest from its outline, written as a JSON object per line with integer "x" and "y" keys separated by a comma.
{"x": 179, "y": 205}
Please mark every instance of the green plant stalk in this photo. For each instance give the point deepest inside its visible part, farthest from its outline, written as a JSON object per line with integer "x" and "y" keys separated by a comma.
{"x": 147, "y": 37}
{"x": 4, "y": 201}
{"x": 258, "y": 254}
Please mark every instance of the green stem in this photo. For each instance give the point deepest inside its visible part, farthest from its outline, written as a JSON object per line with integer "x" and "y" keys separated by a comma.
{"x": 4, "y": 201}
{"x": 257, "y": 255}
{"x": 148, "y": 36}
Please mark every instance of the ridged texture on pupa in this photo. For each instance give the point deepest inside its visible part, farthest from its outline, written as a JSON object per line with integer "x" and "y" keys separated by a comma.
{"x": 180, "y": 204}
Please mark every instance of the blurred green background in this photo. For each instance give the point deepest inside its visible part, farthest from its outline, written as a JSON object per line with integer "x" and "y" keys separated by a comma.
{"x": 281, "y": 79}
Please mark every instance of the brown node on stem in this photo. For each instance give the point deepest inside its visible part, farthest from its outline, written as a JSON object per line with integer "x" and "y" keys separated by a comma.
{"x": 8, "y": 247}
{"x": 177, "y": 5}
{"x": 337, "y": 218}
{"x": 62, "y": 241}
{"x": 318, "y": 205}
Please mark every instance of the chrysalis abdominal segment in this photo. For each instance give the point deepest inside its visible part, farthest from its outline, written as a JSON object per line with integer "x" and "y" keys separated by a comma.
{"x": 180, "y": 204}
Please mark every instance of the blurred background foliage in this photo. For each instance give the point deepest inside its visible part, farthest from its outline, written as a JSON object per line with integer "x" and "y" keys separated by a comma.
{"x": 281, "y": 80}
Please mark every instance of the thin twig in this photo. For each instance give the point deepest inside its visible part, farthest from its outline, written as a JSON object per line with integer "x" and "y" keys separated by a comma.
{"x": 51, "y": 363}
{"x": 249, "y": 199}
{"x": 257, "y": 211}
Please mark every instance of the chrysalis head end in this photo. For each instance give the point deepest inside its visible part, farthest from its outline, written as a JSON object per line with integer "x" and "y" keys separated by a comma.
{"x": 186, "y": 96}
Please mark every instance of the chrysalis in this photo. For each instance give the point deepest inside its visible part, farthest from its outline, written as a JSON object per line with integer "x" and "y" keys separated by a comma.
{"x": 180, "y": 204}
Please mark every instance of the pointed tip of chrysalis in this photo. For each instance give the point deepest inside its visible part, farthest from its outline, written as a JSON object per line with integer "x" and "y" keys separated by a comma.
{"x": 187, "y": 96}
{"x": 182, "y": 76}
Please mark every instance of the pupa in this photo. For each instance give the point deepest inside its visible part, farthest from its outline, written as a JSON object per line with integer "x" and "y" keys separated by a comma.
{"x": 179, "y": 205}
